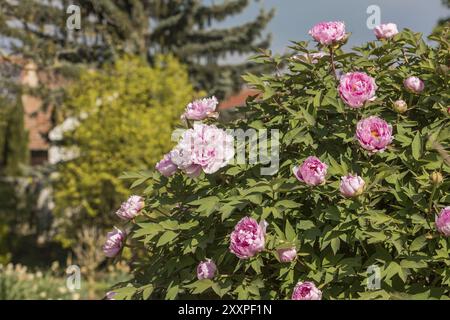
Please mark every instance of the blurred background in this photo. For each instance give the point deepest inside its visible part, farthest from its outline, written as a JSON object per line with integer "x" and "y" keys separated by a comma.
{"x": 92, "y": 89}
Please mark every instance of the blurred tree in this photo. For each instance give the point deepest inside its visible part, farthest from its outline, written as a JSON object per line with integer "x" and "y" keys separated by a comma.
{"x": 125, "y": 114}
{"x": 38, "y": 30}
{"x": 13, "y": 138}
{"x": 444, "y": 23}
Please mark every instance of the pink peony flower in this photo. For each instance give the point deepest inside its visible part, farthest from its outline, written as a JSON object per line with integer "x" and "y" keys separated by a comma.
{"x": 206, "y": 269}
{"x": 166, "y": 167}
{"x": 306, "y": 291}
{"x": 110, "y": 295}
{"x": 248, "y": 238}
{"x": 414, "y": 85}
{"x": 312, "y": 171}
{"x": 374, "y": 134}
{"x": 182, "y": 158}
{"x": 327, "y": 33}
{"x": 443, "y": 222}
{"x": 386, "y": 31}
{"x": 114, "y": 242}
{"x": 351, "y": 185}
{"x": 201, "y": 109}
{"x": 356, "y": 88}
{"x": 203, "y": 148}
{"x": 287, "y": 254}
{"x": 131, "y": 208}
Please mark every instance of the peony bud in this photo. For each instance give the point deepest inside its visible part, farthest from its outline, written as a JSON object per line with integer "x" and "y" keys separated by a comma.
{"x": 206, "y": 269}
{"x": 287, "y": 254}
{"x": 386, "y": 31}
{"x": 443, "y": 222}
{"x": 306, "y": 291}
{"x": 352, "y": 186}
{"x": 400, "y": 106}
{"x": 436, "y": 178}
{"x": 201, "y": 109}
{"x": 114, "y": 242}
{"x": 131, "y": 208}
{"x": 312, "y": 171}
{"x": 166, "y": 167}
{"x": 414, "y": 85}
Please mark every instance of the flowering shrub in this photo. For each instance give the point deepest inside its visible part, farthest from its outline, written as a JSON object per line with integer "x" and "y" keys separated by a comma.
{"x": 361, "y": 184}
{"x": 122, "y": 123}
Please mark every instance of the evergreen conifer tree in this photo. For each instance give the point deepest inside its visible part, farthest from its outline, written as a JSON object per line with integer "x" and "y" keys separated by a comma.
{"x": 39, "y": 30}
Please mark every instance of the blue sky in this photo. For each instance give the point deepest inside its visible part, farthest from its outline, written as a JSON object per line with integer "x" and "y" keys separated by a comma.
{"x": 293, "y": 18}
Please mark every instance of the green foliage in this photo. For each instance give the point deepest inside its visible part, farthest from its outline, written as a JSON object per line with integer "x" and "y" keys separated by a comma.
{"x": 13, "y": 137}
{"x": 126, "y": 115}
{"x": 17, "y": 282}
{"x": 391, "y": 225}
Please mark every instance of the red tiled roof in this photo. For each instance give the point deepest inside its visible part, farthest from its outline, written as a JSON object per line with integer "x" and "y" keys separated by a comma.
{"x": 37, "y": 121}
{"x": 239, "y": 99}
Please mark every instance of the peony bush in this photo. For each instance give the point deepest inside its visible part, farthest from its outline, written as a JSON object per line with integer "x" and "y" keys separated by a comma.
{"x": 361, "y": 192}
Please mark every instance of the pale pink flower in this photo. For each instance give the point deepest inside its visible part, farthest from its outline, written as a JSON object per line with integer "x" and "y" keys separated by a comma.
{"x": 310, "y": 57}
{"x": 110, "y": 295}
{"x": 327, "y": 33}
{"x": 355, "y": 88}
{"x": 206, "y": 269}
{"x": 443, "y": 222}
{"x": 248, "y": 238}
{"x": 374, "y": 134}
{"x": 203, "y": 148}
{"x": 182, "y": 158}
{"x": 312, "y": 171}
{"x": 351, "y": 185}
{"x": 414, "y": 84}
{"x": 386, "y": 31}
{"x": 166, "y": 167}
{"x": 201, "y": 109}
{"x": 114, "y": 242}
{"x": 287, "y": 254}
{"x": 306, "y": 291}
{"x": 131, "y": 208}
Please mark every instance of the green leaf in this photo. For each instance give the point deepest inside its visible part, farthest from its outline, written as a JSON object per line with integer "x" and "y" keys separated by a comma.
{"x": 288, "y": 204}
{"x": 414, "y": 263}
{"x": 147, "y": 291}
{"x": 166, "y": 237}
{"x": 335, "y": 244}
{"x": 418, "y": 243}
{"x": 290, "y": 232}
{"x": 202, "y": 285}
{"x": 316, "y": 102}
{"x": 308, "y": 117}
{"x": 172, "y": 292}
{"x": 416, "y": 147}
